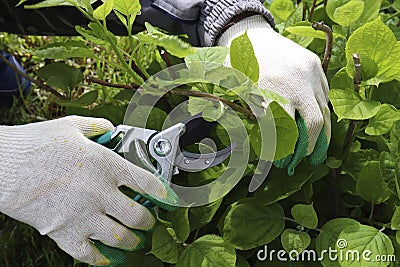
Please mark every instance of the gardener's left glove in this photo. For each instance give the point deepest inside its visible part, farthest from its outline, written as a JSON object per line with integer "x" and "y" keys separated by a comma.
{"x": 295, "y": 73}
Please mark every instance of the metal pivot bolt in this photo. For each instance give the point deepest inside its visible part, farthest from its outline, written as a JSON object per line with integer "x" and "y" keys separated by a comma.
{"x": 162, "y": 147}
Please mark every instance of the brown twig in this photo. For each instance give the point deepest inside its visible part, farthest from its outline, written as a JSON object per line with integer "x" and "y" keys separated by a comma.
{"x": 182, "y": 92}
{"x": 113, "y": 85}
{"x": 352, "y": 124}
{"x": 314, "y": 4}
{"x": 248, "y": 113}
{"x": 325, "y": 2}
{"x": 320, "y": 26}
{"x": 167, "y": 61}
{"x": 40, "y": 83}
{"x": 138, "y": 71}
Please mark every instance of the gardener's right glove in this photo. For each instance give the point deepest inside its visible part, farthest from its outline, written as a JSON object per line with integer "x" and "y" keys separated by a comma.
{"x": 66, "y": 186}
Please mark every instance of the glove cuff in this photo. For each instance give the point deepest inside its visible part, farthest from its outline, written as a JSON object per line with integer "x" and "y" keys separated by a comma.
{"x": 239, "y": 28}
{"x": 215, "y": 14}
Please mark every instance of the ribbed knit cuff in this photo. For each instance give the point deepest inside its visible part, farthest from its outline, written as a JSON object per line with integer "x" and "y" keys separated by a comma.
{"x": 215, "y": 14}
{"x": 239, "y": 28}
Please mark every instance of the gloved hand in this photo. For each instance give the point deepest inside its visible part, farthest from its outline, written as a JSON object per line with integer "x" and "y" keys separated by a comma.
{"x": 66, "y": 186}
{"x": 295, "y": 73}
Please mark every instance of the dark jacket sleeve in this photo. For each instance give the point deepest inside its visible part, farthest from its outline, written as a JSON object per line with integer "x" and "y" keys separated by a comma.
{"x": 201, "y": 20}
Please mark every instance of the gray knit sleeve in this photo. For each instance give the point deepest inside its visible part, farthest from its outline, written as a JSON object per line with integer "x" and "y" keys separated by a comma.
{"x": 215, "y": 14}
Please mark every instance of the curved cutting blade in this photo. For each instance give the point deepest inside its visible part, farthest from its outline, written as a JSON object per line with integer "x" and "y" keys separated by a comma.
{"x": 192, "y": 162}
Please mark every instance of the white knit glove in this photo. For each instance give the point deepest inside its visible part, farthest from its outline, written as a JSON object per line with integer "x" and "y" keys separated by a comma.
{"x": 295, "y": 73}
{"x": 66, "y": 186}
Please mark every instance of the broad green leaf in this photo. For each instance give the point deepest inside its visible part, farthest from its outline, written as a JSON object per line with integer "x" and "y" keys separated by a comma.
{"x": 349, "y": 105}
{"x": 279, "y": 185}
{"x": 209, "y": 57}
{"x": 389, "y": 165}
{"x": 47, "y": 3}
{"x": 180, "y": 223}
{"x": 328, "y": 237}
{"x": 281, "y": 9}
{"x": 305, "y": 215}
{"x": 342, "y": 81}
{"x": 266, "y": 223}
{"x": 141, "y": 258}
{"x": 293, "y": 240}
{"x": 388, "y": 93}
{"x": 85, "y": 100}
{"x": 286, "y": 131}
{"x": 204, "y": 214}
{"x": 172, "y": 44}
{"x": 243, "y": 57}
{"x": 241, "y": 262}
{"x": 296, "y": 16}
{"x": 211, "y": 110}
{"x": 333, "y": 162}
{"x": 208, "y": 250}
{"x": 363, "y": 238}
{"x": 163, "y": 245}
{"x": 357, "y": 160}
{"x": 395, "y": 222}
{"x": 127, "y": 7}
{"x": 344, "y": 12}
{"x": 371, "y": 11}
{"x": 61, "y": 75}
{"x": 154, "y": 117}
{"x": 383, "y": 121}
{"x": 63, "y": 50}
{"x": 376, "y": 41}
{"x": 104, "y": 10}
{"x": 370, "y": 185}
{"x": 94, "y": 36}
{"x": 396, "y": 5}
{"x": 306, "y": 31}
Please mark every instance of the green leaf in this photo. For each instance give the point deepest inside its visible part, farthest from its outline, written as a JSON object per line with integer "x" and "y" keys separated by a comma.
{"x": 281, "y": 9}
{"x": 349, "y": 105}
{"x": 204, "y": 214}
{"x": 306, "y": 31}
{"x": 47, "y": 3}
{"x": 345, "y": 12}
{"x": 333, "y": 163}
{"x": 96, "y": 36}
{"x": 388, "y": 93}
{"x": 377, "y": 42}
{"x": 293, "y": 240}
{"x": 370, "y": 185}
{"x": 286, "y": 131}
{"x": 389, "y": 165}
{"x": 163, "y": 245}
{"x": 328, "y": 237}
{"x": 243, "y": 57}
{"x": 266, "y": 223}
{"x": 371, "y": 11}
{"x": 395, "y": 222}
{"x": 342, "y": 81}
{"x": 104, "y": 10}
{"x": 305, "y": 215}
{"x": 211, "y": 110}
{"x": 63, "y": 50}
{"x": 172, "y": 44}
{"x": 356, "y": 161}
{"x": 210, "y": 57}
{"x": 241, "y": 262}
{"x": 383, "y": 121}
{"x": 85, "y": 100}
{"x": 127, "y": 7}
{"x": 208, "y": 250}
{"x": 363, "y": 238}
{"x": 279, "y": 185}
{"x": 61, "y": 75}
{"x": 180, "y": 223}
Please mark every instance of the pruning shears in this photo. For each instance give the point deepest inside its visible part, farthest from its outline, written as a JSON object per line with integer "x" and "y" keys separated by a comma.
{"x": 162, "y": 152}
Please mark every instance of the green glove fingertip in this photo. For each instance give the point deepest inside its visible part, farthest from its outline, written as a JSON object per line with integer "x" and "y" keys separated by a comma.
{"x": 114, "y": 255}
{"x": 319, "y": 155}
